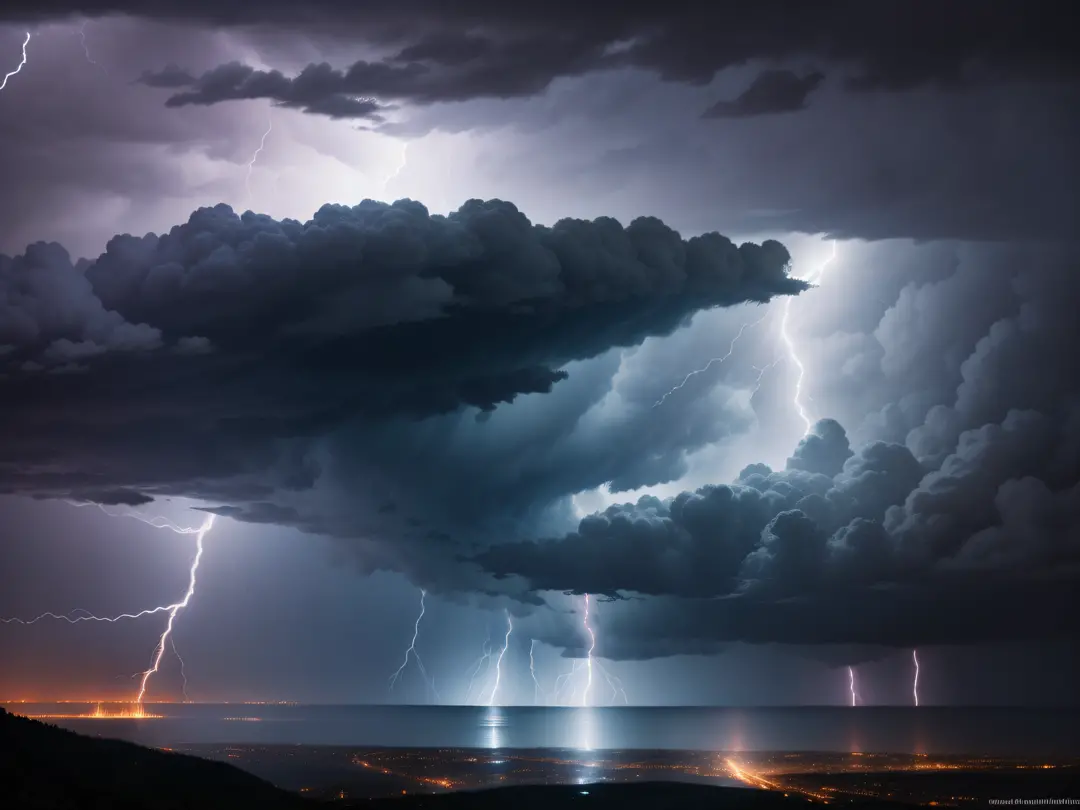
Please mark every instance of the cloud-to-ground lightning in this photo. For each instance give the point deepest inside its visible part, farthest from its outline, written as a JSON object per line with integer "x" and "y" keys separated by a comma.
{"x": 588, "y": 659}
{"x": 255, "y": 156}
{"x": 412, "y": 651}
{"x": 537, "y": 689}
{"x": 485, "y": 657}
{"x": 86, "y": 50}
{"x": 183, "y": 671}
{"x": 812, "y": 277}
{"x": 20, "y": 66}
{"x": 712, "y": 361}
{"x": 166, "y": 636}
{"x": 915, "y": 686}
{"x": 499, "y": 659}
{"x": 851, "y": 685}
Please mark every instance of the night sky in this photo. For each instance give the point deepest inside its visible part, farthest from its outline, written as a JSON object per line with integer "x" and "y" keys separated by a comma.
{"x": 498, "y": 388}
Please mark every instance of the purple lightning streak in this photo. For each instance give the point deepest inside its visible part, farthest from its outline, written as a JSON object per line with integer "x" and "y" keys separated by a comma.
{"x": 716, "y": 360}
{"x": 588, "y": 660}
{"x": 915, "y": 687}
{"x": 255, "y": 156}
{"x": 86, "y": 50}
{"x": 156, "y": 521}
{"x": 21, "y": 64}
{"x": 851, "y": 685}
{"x": 812, "y": 277}
{"x": 166, "y": 636}
{"x": 498, "y": 660}
{"x": 416, "y": 656}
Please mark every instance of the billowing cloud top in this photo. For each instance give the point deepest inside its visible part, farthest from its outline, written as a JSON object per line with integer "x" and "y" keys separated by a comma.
{"x": 211, "y": 361}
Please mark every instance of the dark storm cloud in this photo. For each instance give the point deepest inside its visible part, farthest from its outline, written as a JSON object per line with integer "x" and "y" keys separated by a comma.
{"x": 484, "y": 50}
{"x": 252, "y": 362}
{"x": 772, "y": 92}
{"x": 966, "y": 532}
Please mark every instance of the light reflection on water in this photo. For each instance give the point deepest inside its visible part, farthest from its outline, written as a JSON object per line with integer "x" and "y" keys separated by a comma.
{"x": 934, "y": 730}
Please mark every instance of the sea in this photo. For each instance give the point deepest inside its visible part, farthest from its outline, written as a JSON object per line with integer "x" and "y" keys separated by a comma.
{"x": 1001, "y": 732}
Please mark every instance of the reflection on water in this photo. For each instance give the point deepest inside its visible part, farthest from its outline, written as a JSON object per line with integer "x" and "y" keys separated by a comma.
{"x": 1001, "y": 732}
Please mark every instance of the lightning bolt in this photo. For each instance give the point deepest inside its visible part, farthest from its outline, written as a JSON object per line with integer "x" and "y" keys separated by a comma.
{"x": 401, "y": 166}
{"x": 86, "y": 49}
{"x": 537, "y": 689}
{"x": 712, "y": 361}
{"x": 183, "y": 673}
{"x": 159, "y": 651}
{"x": 588, "y": 660}
{"x": 21, "y": 64}
{"x": 255, "y": 156}
{"x": 851, "y": 684}
{"x": 915, "y": 687}
{"x": 155, "y": 521}
{"x": 812, "y": 277}
{"x": 412, "y": 651}
{"x": 498, "y": 660}
{"x": 486, "y": 656}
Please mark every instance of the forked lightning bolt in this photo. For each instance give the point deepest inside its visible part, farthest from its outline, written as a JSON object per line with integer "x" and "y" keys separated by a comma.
{"x": 255, "y": 156}
{"x": 159, "y": 651}
{"x": 80, "y": 615}
{"x": 21, "y": 64}
{"x": 412, "y": 651}
{"x": 915, "y": 687}
{"x": 498, "y": 660}
{"x": 712, "y": 361}
{"x": 813, "y": 277}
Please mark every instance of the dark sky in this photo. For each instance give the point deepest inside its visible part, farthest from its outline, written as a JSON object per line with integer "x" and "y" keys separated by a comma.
{"x": 481, "y": 390}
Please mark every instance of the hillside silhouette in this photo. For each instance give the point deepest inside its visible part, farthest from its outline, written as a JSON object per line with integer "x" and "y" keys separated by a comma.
{"x": 43, "y": 767}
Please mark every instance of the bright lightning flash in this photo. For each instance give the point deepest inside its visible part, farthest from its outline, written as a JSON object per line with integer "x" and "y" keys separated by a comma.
{"x": 81, "y": 615}
{"x": 712, "y": 360}
{"x": 21, "y": 64}
{"x": 851, "y": 684}
{"x": 255, "y": 156}
{"x": 588, "y": 660}
{"x": 813, "y": 277}
{"x": 499, "y": 658}
{"x": 166, "y": 636}
{"x": 412, "y": 651}
{"x": 915, "y": 687}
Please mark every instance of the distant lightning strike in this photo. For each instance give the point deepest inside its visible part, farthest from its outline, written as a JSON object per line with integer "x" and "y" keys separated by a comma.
{"x": 166, "y": 636}
{"x": 851, "y": 684}
{"x": 793, "y": 355}
{"x": 915, "y": 687}
{"x": 537, "y": 690}
{"x": 499, "y": 658}
{"x": 86, "y": 50}
{"x": 81, "y": 615}
{"x": 255, "y": 156}
{"x": 412, "y": 651}
{"x": 712, "y": 361}
{"x": 21, "y": 64}
{"x": 486, "y": 656}
{"x": 588, "y": 660}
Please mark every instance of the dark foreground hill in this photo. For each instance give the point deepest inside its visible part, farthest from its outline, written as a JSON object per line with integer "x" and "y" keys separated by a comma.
{"x": 47, "y": 768}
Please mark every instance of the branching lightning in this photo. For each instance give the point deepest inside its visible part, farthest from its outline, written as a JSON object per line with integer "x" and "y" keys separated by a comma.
{"x": 915, "y": 687}
{"x": 166, "y": 636}
{"x": 412, "y": 651}
{"x": 21, "y": 64}
{"x": 567, "y": 686}
{"x": 851, "y": 685}
{"x": 499, "y": 658}
{"x": 255, "y": 156}
{"x": 81, "y": 615}
{"x": 712, "y": 361}
{"x": 812, "y": 277}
